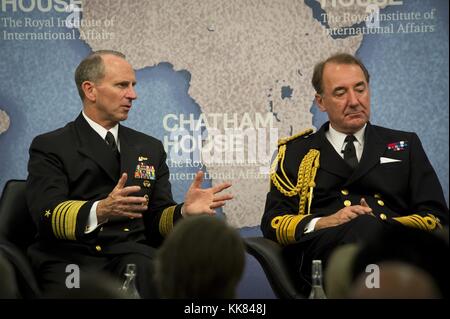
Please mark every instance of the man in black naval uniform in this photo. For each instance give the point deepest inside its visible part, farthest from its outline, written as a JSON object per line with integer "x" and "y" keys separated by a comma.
{"x": 350, "y": 179}
{"x": 91, "y": 181}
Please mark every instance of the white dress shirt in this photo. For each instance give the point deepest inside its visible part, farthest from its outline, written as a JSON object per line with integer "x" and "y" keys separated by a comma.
{"x": 92, "y": 222}
{"x": 337, "y": 139}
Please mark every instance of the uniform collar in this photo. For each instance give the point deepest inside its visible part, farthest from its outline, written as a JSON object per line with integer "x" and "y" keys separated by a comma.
{"x": 337, "y": 138}
{"x": 101, "y": 130}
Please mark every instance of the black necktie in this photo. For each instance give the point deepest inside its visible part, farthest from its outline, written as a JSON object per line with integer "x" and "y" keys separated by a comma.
{"x": 350, "y": 151}
{"x": 110, "y": 140}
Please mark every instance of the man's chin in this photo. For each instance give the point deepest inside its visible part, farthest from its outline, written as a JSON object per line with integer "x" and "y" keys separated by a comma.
{"x": 122, "y": 117}
{"x": 357, "y": 124}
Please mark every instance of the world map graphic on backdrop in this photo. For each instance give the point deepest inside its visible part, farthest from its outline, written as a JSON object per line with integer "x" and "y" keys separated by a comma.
{"x": 219, "y": 81}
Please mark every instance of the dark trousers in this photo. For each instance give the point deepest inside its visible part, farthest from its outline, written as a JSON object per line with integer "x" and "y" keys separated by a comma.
{"x": 322, "y": 243}
{"x": 99, "y": 276}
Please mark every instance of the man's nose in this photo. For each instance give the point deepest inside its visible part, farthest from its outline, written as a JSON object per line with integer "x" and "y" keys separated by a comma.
{"x": 131, "y": 93}
{"x": 352, "y": 98}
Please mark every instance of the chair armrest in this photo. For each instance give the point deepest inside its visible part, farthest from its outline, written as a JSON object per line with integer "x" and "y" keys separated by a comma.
{"x": 26, "y": 280}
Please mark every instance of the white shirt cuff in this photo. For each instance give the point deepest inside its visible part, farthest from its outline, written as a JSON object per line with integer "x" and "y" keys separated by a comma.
{"x": 311, "y": 225}
{"x": 92, "y": 222}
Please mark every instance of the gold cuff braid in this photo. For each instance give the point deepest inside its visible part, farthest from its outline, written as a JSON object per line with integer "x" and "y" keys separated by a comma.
{"x": 166, "y": 221}
{"x": 64, "y": 219}
{"x": 429, "y": 222}
{"x": 285, "y": 227}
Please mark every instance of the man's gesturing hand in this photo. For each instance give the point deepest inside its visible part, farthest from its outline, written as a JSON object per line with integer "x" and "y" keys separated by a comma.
{"x": 203, "y": 201}
{"x": 119, "y": 203}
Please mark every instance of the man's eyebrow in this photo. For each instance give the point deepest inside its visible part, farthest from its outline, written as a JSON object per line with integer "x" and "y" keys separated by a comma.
{"x": 360, "y": 83}
{"x": 126, "y": 82}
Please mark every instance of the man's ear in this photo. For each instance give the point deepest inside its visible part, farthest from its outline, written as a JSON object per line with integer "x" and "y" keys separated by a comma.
{"x": 319, "y": 102}
{"x": 89, "y": 90}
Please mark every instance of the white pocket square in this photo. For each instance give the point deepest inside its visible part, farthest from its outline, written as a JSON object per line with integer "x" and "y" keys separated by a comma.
{"x": 384, "y": 160}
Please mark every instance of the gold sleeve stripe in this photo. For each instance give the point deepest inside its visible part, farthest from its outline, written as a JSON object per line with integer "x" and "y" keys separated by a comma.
{"x": 166, "y": 221}
{"x": 64, "y": 219}
{"x": 419, "y": 221}
{"x": 407, "y": 221}
{"x": 56, "y": 217}
{"x": 61, "y": 219}
{"x": 279, "y": 230}
{"x": 285, "y": 228}
{"x": 282, "y": 229}
{"x": 412, "y": 222}
{"x": 70, "y": 225}
{"x": 292, "y": 228}
{"x": 67, "y": 218}
{"x": 419, "y": 224}
{"x": 429, "y": 222}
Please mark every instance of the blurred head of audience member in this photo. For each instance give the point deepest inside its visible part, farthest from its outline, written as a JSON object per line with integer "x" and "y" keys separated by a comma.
{"x": 202, "y": 258}
{"x": 338, "y": 275}
{"x": 397, "y": 280}
{"x": 405, "y": 257}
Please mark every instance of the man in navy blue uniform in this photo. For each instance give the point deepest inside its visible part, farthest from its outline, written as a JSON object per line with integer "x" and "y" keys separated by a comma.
{"x": 98, "y": 191}
{"x": 350, "y": 179}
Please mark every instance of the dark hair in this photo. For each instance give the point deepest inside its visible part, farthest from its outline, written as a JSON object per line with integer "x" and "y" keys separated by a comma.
{"x": 339, "y": 58}
{"x": 92, "y": 68}
{"x": 202, "y": 257}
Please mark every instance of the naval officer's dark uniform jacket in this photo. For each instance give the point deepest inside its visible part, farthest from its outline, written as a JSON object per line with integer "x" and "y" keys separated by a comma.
{"x": 310, "y": 179}
{"x": 71, "y": 168}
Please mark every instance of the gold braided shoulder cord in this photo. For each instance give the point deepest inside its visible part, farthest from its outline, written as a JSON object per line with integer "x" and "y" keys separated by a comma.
{"x": 285, "y": 225}
{"x": 305, "y": 181}
{"x": 306, "y": 176}
{"x": 287, "y": 189}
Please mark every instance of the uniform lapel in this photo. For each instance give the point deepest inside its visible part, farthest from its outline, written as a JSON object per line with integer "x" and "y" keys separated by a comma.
{"x": 374, "y": 147}
{"x": 94, "y": 147}
{"x": 330, "y": 160}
